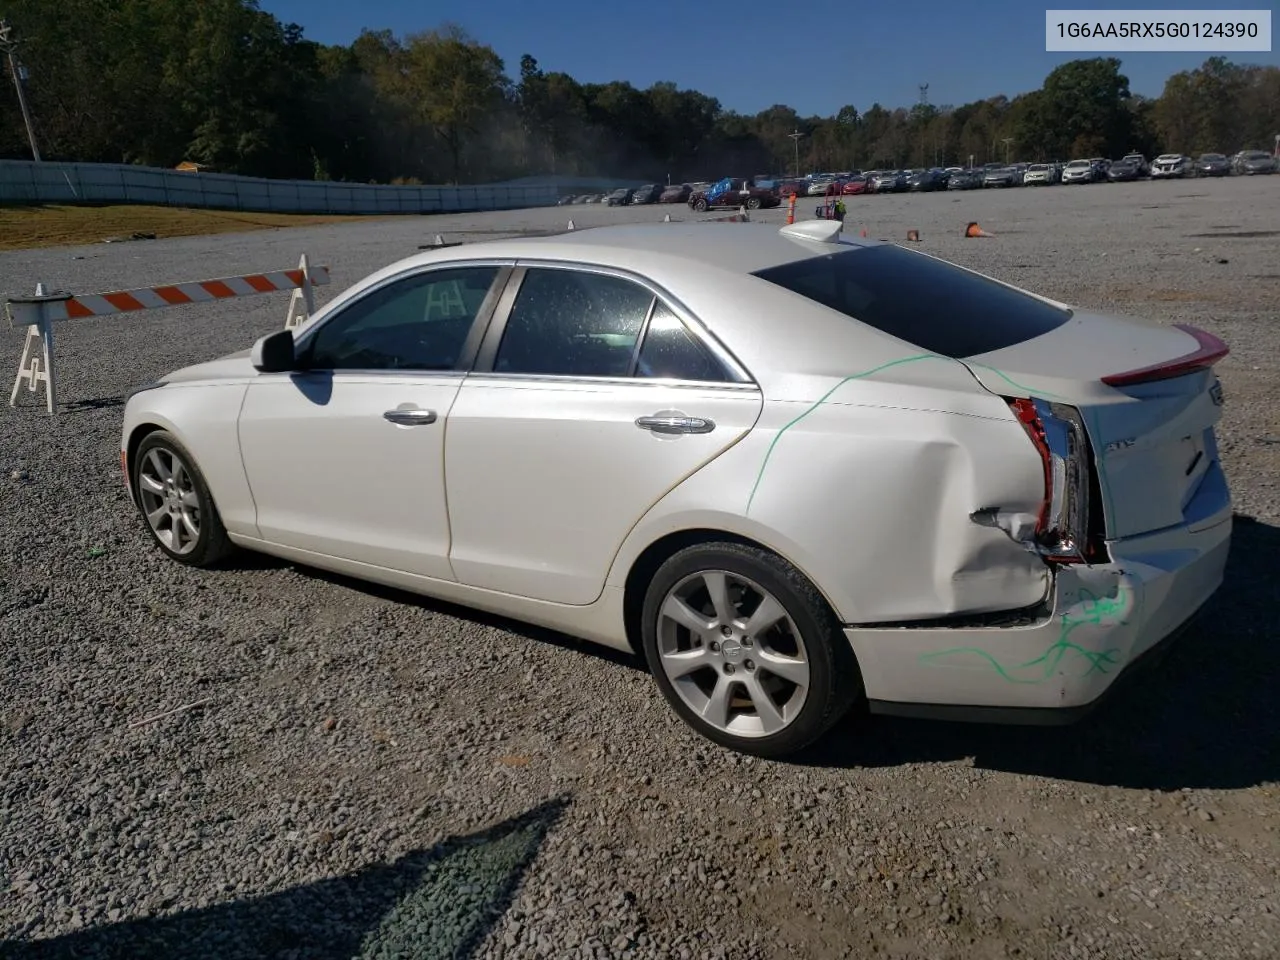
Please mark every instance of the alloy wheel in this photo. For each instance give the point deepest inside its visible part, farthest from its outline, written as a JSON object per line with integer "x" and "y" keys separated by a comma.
{"x": 169, "y": 500}
{"x": 733, "y": 654}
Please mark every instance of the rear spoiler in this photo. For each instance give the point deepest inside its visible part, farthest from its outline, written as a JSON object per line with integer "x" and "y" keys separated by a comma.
{"x": 1209, "y": 351}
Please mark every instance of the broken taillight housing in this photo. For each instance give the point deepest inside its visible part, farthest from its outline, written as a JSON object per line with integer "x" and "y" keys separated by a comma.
{"x": 1057, "y": 430}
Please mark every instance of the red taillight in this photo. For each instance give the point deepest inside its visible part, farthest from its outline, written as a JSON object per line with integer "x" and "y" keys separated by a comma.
{"x": 1057, "y": 432}
{"x": 1025, "y": 411}
{"x": 1208, "y": 352}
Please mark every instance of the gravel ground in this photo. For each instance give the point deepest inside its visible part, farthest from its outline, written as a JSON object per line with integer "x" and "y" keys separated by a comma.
{"x": 373, "y": 775}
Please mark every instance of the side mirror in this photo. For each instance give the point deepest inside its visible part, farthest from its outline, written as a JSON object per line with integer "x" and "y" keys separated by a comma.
{"x": 274, "y": 353}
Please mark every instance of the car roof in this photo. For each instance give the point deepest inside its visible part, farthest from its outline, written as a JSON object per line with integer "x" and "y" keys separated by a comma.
{"x": 740, "y": 248}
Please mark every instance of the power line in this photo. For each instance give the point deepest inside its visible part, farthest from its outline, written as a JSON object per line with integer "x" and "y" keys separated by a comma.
{"x": 10, "y": 46}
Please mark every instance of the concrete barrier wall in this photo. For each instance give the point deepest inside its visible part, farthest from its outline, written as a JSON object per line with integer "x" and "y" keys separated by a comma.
{"x": 24, "y": 181}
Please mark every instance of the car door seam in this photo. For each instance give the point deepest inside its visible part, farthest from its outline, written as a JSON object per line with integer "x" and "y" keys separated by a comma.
{"x": 759, "y": 396}
{"x": 444, "y": 476}
{"x": 244, "y": 470}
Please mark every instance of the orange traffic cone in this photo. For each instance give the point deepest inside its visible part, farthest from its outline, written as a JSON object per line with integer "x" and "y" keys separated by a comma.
{"x": 864, "y": 231}
{"x": 913, "y": 235}
{"x": 973, "y": 230}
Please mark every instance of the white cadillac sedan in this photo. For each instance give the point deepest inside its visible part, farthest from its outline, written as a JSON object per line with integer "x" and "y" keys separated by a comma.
{"x": 795, "y": 472}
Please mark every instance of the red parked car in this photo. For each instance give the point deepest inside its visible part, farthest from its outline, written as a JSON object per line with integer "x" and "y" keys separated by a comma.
{"x": 854, "y": 186}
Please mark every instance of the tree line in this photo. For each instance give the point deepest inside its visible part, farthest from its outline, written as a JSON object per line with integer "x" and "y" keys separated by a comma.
{"x": 224, "y": 83}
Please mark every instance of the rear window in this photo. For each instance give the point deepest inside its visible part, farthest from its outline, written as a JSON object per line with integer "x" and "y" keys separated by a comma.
{"x": 938, "y": 307}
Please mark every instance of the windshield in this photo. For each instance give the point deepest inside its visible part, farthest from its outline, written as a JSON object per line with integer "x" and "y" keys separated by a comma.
{"x": 936, "y": 306}
{"x": 1213, "y": 156}
{"x": 1257, "y": 155}
{"x": 1078, "y": 163}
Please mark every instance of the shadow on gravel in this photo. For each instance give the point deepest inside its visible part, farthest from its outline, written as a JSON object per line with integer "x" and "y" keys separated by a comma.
{"x": 1207, "y": 717}
{"x": 94, "y": 403}
{"x": 437, "y": 903}
{"x": 519, "y": 628}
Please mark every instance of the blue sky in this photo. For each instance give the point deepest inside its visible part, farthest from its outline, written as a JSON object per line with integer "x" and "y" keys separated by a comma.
{"x": 750, "y": 54}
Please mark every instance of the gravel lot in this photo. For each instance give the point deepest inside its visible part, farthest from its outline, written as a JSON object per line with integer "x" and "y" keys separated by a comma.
{"x": 375, "y": 775}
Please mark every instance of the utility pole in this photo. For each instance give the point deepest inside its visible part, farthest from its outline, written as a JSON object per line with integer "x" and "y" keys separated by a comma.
{"x": 10, "y": 47}
{"x": 1006, "y": 141}
{"x": 795, "y": 138}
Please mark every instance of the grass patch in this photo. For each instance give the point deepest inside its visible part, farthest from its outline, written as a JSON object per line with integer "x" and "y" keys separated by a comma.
{"x": 53, "y": 225}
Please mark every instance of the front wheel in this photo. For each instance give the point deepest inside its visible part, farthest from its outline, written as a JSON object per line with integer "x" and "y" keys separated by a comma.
{"x": 746, "y": 650}
{"x": 700, "y": 205}
{"x": 175, "y": 502}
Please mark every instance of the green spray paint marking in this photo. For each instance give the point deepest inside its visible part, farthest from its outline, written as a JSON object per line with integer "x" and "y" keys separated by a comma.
{"x": 866, "y": 373}
{"x": 857, "y": 376}
{"x": 1093, "y": 610}
{"x": 1037, "y": 392}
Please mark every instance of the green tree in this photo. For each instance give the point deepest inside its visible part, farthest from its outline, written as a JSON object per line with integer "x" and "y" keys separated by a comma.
{"x": 222, "y": 81}
{"x": 1083, "y": 108}
{"x": 453, "y": 83}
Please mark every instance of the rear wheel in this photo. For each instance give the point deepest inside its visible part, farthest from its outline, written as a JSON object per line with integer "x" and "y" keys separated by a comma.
{"x": 753, "y": 203}
{"x": 176, "y": 504}
{"x": 746, "y": 650}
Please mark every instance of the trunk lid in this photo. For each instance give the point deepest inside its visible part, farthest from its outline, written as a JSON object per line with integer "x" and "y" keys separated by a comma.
{"x": 1152, "y": 439}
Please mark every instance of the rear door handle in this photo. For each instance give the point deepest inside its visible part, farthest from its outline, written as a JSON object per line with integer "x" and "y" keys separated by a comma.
{"x": 661, "y": 423}
{"x": 411, "y": 417}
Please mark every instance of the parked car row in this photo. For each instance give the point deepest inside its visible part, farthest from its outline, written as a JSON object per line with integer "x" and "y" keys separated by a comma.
{"x": 1133, "y": 166}
{"x": 762, "y": 191}
{"x": 649, "y": 193}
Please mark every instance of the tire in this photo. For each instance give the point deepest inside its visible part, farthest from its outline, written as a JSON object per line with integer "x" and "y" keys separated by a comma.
{"x": 753, "y": 203}
{"x": 806, "y": 643}
{"x": 161, "y": 451}
{"x": 700, "y": 204}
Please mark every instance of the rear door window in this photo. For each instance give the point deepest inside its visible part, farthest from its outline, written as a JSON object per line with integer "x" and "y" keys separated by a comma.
{"x": 573, "y": 323}
{"x": 937, "y": 307}
{"x": 670, "y": 351}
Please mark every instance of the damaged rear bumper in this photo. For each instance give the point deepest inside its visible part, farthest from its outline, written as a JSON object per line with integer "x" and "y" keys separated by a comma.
{"x": 1105, "y": 619}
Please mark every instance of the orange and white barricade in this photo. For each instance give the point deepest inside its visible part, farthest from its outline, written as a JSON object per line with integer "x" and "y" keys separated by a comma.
{"x": 40, "y": 312}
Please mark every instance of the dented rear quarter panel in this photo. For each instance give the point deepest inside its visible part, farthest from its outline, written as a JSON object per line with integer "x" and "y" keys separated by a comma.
{"x": 870, "y": 489}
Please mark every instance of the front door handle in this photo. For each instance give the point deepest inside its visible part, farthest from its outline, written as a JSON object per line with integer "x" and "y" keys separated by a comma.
{"x": 410, "y": 418}
{"x": 672, "y": 424}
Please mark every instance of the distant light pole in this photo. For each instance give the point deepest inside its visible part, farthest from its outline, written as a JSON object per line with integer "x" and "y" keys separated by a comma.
{"x": 10, "y": 47}
{"x": 1006, "y": 141}
{"x": 795, "y": 138}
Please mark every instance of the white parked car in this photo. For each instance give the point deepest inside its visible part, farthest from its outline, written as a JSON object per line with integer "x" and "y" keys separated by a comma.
{"x": 1037, "y": 173}
{"x": 1171, "y": 165}
{"x": 1079, "y": 171}
{"x": 795, "y": 472}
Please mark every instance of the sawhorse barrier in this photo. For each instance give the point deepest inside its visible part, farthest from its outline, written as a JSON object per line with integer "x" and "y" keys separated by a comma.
{"x": 40, "y": 312}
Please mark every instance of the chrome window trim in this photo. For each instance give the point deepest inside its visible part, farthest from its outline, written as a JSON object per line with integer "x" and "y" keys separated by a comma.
{"x": 505, "y": 266}
{"x": 479, "y": 376}
{"x": 497, "y": 326}
{"x": 363, "y": 373}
